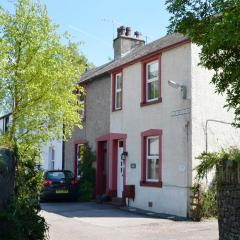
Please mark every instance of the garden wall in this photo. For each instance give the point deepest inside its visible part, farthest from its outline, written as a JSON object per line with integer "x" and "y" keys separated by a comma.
{"x": 229, "y": 200}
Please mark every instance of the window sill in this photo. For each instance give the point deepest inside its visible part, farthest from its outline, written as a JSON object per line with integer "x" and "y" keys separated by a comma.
{"x": 143, "y": 104}
{"x": 151, "y": 184}
{"x": 117, "y": 110}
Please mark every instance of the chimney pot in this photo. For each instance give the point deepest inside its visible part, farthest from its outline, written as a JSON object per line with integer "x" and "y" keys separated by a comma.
{"x": 137, "y": 34}
{"x": 123, "y": 30}
{"x": 128, "y": 32}
{"x": 119, "y": 32}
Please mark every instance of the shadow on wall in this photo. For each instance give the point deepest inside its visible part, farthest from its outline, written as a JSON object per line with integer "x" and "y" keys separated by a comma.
{"x": 6, "y": 176}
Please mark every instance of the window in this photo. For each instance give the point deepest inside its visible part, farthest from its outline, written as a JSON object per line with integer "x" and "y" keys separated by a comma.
{"x": 81, "y": 101}
{"x": 52, "y": 158}
{"x": 151, "y": 81}
{"x": 151, "y": 158}
{"x": 80, "y": 152}
{"x": 6, "y": 124}
{"x": 117, "y": 91}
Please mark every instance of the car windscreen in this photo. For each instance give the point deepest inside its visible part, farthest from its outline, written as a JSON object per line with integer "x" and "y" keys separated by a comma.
{"x": 59, "y": 175}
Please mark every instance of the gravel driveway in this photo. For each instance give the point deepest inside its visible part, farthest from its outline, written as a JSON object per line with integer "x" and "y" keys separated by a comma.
{"x": 91, "y": 221}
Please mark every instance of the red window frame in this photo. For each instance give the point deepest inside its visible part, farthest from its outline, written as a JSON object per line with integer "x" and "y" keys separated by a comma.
{"x": 144, "y": 101}
{"x": 144, "y": 136}
{"x": 114, "y": 90}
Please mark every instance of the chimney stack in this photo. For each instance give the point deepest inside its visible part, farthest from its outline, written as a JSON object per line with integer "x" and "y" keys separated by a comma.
{"x": 124, "y": 42}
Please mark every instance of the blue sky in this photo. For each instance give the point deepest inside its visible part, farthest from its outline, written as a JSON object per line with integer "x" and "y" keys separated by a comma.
{"x": 91, "y": 22}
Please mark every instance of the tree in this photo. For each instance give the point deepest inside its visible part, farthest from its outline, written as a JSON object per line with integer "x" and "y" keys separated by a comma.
{"x": 38, "y": 76}
{"x": 215, "y": 26}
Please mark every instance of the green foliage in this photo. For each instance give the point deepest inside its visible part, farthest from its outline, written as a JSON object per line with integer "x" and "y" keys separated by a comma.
{"x": 209, "y": 161}
{"x": 22, "y": 220}
{"x": 209, "y": 207}
{"x": 87, "y": 174}
{"x": 214, "y": 25}
{"x": 38, "y": 76}
{"x": 206, "y": 204}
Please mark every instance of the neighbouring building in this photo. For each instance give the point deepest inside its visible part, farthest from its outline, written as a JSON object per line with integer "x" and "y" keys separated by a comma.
{"x": 95, "y": 121}
{"x": 148, "y": 114}
{"x": 51, "y": 153}
{"x": 4, "y": 123}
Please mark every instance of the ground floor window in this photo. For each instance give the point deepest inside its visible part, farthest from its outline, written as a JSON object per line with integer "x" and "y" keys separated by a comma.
{"x": 151, "y": 164}
{"x": 152, "y": 158}
{"x": 51, "y": 155}
{"x": 80, "y": 152}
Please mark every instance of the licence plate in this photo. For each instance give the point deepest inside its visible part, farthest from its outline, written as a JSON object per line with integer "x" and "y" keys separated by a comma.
{"x": 62, "y": 191}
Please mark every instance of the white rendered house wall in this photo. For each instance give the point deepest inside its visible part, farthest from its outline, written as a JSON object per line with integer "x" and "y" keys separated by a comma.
{"x": 133, "y": 119}
{"x": 208, "y": 105}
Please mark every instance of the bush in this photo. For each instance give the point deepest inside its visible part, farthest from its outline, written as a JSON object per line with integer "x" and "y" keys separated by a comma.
{"x": 210, "y": 208}
{"x": 21, "y": 219}
{"x": 204, "y": 202}
{"x": 207, "y": 206}
{"x": 86, "y": 185}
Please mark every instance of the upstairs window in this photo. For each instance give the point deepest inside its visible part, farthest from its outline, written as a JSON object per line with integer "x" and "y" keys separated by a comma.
{"x": 151, "y": 81}
{"x": 117, "y": 91}
{"x": 81, "y": 101}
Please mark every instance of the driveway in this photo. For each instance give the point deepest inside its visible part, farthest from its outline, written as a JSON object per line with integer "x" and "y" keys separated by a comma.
{"x": 91, "y": 221}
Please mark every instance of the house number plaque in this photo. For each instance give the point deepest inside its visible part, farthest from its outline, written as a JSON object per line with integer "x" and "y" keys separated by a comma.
{"x": 133, "y": 165}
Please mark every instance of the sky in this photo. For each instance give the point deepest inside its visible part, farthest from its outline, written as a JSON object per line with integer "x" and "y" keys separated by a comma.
{"x": 94, "y": 23}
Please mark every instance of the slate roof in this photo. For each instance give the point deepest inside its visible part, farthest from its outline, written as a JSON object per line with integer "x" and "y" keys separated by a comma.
{"x": 135, "y": 54}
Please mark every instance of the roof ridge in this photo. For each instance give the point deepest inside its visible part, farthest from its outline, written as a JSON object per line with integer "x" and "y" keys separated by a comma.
{"x": 135, "y": 54}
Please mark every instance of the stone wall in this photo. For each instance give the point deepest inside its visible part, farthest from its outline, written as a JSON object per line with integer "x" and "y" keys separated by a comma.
{"x": 229, "y": 201}
{"x": 97, "y": 119}
{"x": 6, "y": 176}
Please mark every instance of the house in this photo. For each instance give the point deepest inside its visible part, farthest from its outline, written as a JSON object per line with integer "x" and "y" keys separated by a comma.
{"x": 95, "y": 121}
{"x": 51, "y": 153}
{"x": 148, "y": 114}
{"x": 4, "y": 123}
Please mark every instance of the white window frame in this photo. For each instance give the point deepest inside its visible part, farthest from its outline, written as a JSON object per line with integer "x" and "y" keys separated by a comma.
{"x": 151, "y": 157}
{"x": 156, "y": 79}
{"x": 118, "y": 90}
{"x": 52, "y": 157}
